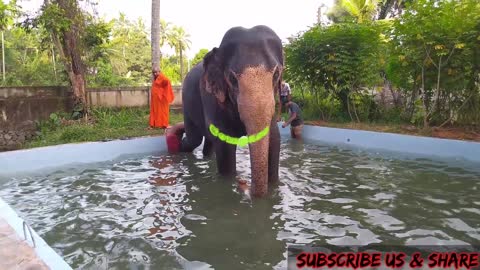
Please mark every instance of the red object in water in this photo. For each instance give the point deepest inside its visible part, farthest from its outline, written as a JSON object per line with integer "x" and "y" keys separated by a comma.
{"x": 173, "y": 137}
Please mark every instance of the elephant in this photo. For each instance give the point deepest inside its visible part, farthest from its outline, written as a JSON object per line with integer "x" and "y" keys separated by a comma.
{"x": 234, "y": 91}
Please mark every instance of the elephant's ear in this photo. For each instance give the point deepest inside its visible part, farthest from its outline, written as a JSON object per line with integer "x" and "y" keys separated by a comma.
{"x": 277, "y": 79}
{"x": 213, "y": 80}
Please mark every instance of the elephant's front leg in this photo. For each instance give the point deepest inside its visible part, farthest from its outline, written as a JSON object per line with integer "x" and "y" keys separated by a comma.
{"x": 273, "y": 152}
{"x": 207, "y": 147}
{"x": 226, "y": 158}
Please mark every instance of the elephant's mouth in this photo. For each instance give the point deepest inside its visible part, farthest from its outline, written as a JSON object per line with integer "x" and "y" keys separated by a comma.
{"x": 242, "y": 141}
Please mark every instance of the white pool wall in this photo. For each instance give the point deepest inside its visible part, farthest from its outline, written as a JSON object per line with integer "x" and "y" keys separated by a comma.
{"x": 16, "y": 163}
{"x": 42, "y": 249}
{"x": 26, "y": 161}
{"x": 413, "y": 146}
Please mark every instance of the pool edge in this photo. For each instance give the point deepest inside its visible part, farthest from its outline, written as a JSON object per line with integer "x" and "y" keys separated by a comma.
{"x": 36, "y": 159}
{"x": 41, "y": 158}
{"x": 44, "y": 252}
{"x": 420, "y": 146}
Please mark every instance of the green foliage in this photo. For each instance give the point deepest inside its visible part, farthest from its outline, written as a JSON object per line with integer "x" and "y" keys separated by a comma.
{"x": 361, "y": 10}
{"x": 179, "y": 39}
{"x": 27, "y": 62}
{"x": 171, "y": 69}
{"x": 53, "y": 18}
{"x": 440, "y": 38}
{"x": 429, "y": 53}
{"x": 199, "y": 56}
{"x": 115, "y": 52}
{"x": 338, "y": 14}
{"x": 125, "y": 58}
{"x": 54, "y": 119}
{"x": 337, "y": 61}
{"x": 7, "y": 13}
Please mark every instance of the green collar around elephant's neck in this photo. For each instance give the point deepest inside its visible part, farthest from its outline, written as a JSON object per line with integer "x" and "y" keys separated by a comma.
{"x": 242, "y": 141}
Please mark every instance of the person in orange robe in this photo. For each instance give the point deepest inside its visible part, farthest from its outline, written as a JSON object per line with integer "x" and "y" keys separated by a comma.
{"x": 161, "y": 98}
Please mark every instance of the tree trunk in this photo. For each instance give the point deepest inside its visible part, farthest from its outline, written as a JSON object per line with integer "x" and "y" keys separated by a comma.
{"x": 53, "y": 61}
{"x": 426, "y": 114}
{"x": 355, "y": 111}
{"x": 385, "y": 8}
{"x": 155, "y": 34}
{"x": 155, "y": 37}
{"x": 181, "y": 63}
{"x": 411, "y": 105}
{"x": 348, "y": 109}
{"x": 437, "y": 92}
{"x": 343, "y": 96}
{"x": 77, "y": 71}
{"x": 3, "y": 58}
{"x": 67, "y": 43}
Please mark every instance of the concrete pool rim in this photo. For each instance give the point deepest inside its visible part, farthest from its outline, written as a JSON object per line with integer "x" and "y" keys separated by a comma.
{"x": 24, "y": 161}
{"x": 41, "y": 248}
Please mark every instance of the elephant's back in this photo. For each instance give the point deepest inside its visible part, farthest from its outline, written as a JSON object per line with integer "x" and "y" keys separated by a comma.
{"x": 191, "y": 98}
{"x": 191, "y": 83}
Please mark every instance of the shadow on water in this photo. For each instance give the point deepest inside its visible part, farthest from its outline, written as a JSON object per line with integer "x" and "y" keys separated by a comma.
{"x": 175, "y": 212}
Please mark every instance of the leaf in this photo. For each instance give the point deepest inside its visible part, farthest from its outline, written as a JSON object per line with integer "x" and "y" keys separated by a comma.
{"x": 76, "y": 115}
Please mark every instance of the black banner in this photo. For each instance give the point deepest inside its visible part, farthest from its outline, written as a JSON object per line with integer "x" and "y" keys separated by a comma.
{"x": 383, "y": 257}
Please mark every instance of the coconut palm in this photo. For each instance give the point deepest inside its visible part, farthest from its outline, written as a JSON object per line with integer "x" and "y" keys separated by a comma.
{"x": 7, "y": 12}
{"x": 362, "y": 10}
{"x": 166, "y": 32}
{"x": 180, "y": 40}
{"x": 156, "y": 28}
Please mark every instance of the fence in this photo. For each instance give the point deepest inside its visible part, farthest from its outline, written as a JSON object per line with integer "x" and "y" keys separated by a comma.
{"x": 126, "y": 96}
{"x": 20, "y": 107}
{"x": 20, "y": 104}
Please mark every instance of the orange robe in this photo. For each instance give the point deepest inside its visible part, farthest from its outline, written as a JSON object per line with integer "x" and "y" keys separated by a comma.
{"x": 161, "y": 98}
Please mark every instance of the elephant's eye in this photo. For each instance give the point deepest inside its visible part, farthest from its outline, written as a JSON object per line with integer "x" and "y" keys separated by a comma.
{"x": 232, "y": 79}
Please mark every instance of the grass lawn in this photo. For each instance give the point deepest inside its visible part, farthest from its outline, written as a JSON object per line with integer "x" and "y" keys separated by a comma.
{"x": 111, "y": 124}
{"x": 103, "y": 124}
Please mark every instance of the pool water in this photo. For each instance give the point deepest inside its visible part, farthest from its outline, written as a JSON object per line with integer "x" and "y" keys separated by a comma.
{"x": 175, "y": 212}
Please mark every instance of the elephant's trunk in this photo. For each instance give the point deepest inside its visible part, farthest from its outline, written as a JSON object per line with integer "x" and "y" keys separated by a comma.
{"x": 256, "y": 105}
{"x": 259, "y": 164}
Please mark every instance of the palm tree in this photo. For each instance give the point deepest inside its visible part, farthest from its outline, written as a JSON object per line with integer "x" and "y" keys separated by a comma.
{"x": 165, "y": 35}
{"x": 124, "y": 30}
{"x": 166, "y": 32}
{"x": 7, "y": 12}
{"x": 362, "y": 10}
{"x": 180, "y": 40}
{"x": 155, "y": 34}
{"x": 391, "y": 7}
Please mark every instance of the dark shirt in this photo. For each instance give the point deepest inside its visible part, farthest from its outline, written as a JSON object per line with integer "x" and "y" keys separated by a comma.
{"x": 294, "y": 108}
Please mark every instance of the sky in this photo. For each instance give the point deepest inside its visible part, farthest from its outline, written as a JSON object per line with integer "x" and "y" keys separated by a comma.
{"x": 206, "y": 21}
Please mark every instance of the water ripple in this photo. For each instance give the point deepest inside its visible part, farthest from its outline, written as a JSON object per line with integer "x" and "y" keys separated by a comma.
{"x": 175, "y": 212}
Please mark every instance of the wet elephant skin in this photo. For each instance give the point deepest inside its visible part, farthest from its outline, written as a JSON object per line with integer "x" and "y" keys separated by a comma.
{"x": 236, "y": 88}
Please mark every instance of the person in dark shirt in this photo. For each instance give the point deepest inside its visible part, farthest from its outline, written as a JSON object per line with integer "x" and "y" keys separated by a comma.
{"x": 285, "y": 96}
{"x": 295, "y": 121}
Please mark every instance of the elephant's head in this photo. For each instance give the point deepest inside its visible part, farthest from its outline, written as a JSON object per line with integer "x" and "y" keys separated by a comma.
{"x": 244, "y": 73}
